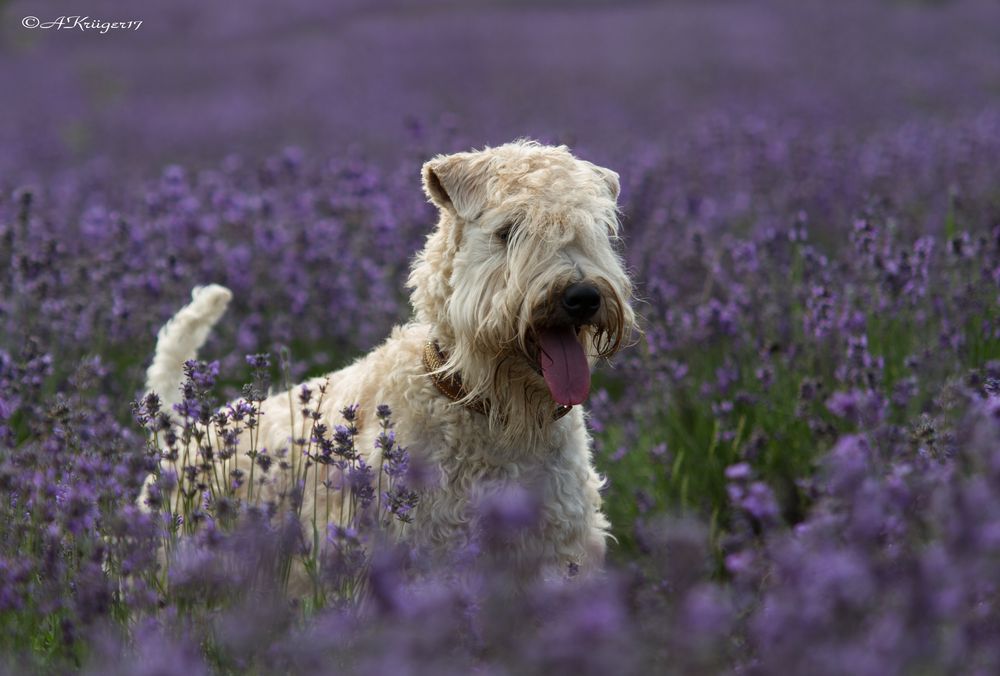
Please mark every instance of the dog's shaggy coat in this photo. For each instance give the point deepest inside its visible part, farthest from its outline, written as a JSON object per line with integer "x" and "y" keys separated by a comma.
{"x": 519, "y": 224}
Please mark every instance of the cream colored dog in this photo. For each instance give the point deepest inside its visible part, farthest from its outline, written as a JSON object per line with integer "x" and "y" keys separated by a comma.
{"x": 517, "y": 293}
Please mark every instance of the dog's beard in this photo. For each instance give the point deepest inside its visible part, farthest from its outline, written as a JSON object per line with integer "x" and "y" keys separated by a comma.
{"x": 562, "y": 355}
{"x": 543, "y": 363}
{"x": 562, "y": 350}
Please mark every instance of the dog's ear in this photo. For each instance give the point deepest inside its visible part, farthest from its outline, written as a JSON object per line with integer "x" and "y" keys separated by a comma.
{"x": 610, "y": 179}
{"x": 455, "y": 183}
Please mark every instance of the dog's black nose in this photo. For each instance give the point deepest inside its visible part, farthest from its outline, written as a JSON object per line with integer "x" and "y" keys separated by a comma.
{"x": 581, "y": 301}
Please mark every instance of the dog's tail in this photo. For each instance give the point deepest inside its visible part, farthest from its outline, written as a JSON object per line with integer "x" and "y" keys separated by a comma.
{"x": 180, "y": 339}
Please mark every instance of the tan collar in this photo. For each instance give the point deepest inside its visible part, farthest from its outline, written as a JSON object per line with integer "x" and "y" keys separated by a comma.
{"x": 451, "y": 385}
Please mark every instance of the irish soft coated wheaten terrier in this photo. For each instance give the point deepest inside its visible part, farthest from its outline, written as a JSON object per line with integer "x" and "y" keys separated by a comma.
{"x": 517, "y": 293}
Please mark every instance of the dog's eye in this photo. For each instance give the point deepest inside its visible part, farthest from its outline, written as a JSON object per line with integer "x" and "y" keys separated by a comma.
{"x": 503, "y": 232}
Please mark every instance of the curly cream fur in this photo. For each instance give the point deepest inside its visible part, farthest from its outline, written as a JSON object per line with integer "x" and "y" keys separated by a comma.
{"x": 482, "y": 299}
{"x": 180, "y": 339}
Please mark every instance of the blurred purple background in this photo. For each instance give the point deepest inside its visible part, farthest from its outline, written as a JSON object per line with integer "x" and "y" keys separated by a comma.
{"x": 811, "y": 214}
{"x": 200, "y": 80}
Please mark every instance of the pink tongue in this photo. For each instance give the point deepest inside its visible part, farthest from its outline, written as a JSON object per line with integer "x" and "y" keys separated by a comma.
{"x": 564, "y": 365}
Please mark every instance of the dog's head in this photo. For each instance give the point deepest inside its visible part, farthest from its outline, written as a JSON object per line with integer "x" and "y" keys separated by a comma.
{"x": 522, "y": 278}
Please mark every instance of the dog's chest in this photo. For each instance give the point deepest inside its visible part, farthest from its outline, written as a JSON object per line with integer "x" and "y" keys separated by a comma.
{"x": 472, "y": 470}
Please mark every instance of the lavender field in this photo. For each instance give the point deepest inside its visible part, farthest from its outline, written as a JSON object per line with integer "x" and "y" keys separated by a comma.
{"x": 802, "y": 448}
